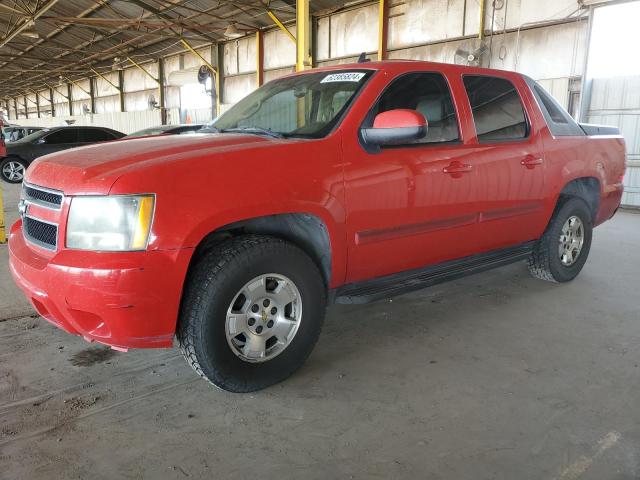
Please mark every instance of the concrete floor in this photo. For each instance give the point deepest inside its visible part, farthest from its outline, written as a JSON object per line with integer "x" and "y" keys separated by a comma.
{"x": 496, "y": 376}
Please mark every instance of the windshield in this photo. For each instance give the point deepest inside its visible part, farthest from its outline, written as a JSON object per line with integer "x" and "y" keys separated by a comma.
{"x": 34, "y": 136}
{"x": 307, "y": 106}
{"x": 151, "y": 131}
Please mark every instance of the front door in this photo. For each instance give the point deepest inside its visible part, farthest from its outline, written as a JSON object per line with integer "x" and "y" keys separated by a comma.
{"x": 411, "y": 205}
{"x": 56, "y": 141}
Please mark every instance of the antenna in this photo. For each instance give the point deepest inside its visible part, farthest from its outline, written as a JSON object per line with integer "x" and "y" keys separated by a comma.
{"x": 363, "y": 58}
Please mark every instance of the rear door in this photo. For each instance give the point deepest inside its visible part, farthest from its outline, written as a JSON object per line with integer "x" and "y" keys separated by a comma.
{"x": 509, "y": 161}
{"x": 88, "y": 136}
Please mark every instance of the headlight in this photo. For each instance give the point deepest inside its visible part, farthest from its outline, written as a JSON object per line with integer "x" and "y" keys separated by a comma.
{"x": 110, "y": 223}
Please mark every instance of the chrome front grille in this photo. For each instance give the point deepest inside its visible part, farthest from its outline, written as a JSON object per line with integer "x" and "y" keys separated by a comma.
{"x": 44, "y": 197}
{"x": 43, "y": 234}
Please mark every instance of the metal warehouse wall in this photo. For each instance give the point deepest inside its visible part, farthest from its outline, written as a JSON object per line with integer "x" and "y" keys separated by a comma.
{"x": 535, "y": 37}
{"x": 616, "y": 101}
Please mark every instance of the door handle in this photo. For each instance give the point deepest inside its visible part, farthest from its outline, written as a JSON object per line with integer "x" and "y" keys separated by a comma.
{"x": 456, "y": 169}
{"x": 530, "y": 161}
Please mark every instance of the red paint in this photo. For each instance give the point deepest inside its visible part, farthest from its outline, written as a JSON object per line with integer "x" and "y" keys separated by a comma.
{"x": 399, "y": 118}
{"x": 385, "y": 212}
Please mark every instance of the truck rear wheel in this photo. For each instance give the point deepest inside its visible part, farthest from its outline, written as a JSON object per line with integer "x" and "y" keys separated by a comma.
{"x": 252, "y": 312}
{"x": 564, "y": 247}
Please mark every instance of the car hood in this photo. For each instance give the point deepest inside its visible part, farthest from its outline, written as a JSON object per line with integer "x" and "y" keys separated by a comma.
{"x": 94, "y": 169}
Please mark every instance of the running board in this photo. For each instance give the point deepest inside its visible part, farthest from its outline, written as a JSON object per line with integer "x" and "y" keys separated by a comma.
{"x": 409, "y": 281}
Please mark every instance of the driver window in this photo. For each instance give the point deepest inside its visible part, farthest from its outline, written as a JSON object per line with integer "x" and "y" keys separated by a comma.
{"x": 429, "y": 94}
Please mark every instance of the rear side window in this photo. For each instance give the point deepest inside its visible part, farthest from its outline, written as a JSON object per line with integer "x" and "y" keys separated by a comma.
{"x": 558, "y": 119}
{"x": 91, "y": 135}
{"x": 64, "y": 135}
{"x": 497, "y": 109}
{"x": 427, "y": 93}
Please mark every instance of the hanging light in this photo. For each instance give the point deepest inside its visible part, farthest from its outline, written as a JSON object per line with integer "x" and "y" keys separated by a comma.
{"x": 30, "y": 31}
{"x": 232, "y": 31}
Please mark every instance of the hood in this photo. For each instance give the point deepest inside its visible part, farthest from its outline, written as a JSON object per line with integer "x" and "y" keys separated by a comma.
{"x": 94, "y": 169}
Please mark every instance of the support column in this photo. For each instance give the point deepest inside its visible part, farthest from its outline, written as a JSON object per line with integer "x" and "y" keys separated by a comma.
{"x": 161, "y": 86}
{"x": 70, "y": 99}
{"x": 15, "y": 108}
{"x": 303, "y": 36}
{"x": 26, "y": 107}
{"x": 121, "y": 89}
{"x": 215, "y": 97}
{"x": 92, "y": 94}
{"x": 37, "y": 103}
{"x": 259, "y": 58}
{"x": 481, "y": 24}
{"x": 53, "y": 108}
{"x": 220, "y": 79}
{"x": 383, "y": 28}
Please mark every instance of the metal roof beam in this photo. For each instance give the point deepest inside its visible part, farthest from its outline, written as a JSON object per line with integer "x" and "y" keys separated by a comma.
{"x": 20, "y": 28}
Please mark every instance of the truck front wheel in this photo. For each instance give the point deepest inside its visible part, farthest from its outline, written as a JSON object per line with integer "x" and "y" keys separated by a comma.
{"x": 252, "y": 312}
{"x": 564, "y": 247}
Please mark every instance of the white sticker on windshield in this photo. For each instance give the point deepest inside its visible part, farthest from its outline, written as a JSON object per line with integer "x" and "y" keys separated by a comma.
{"x": 343, "y": 77}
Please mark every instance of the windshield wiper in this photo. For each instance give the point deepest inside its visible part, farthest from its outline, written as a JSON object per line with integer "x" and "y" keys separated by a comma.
{"x": 253, "y": 130}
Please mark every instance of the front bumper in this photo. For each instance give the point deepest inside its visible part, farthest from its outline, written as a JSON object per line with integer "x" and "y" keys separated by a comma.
{"x": 125, "y": 300}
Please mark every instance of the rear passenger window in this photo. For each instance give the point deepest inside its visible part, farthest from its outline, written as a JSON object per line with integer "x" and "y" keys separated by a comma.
{"x": 558, "y": 119}
{"x": 429, "y": 94}
{"x": 91, "y": 135}
{"x": 497, "y": 109}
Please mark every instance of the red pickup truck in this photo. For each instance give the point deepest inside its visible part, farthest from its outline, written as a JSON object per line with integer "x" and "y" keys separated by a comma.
{"x": 344, "y": 184}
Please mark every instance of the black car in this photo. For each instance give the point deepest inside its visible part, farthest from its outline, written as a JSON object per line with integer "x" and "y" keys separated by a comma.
{"x": 167, "y": 130}
{"x": 21, "y": 153}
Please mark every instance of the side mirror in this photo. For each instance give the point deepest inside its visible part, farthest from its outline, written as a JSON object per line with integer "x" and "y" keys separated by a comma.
{"x": 395, "y": 127}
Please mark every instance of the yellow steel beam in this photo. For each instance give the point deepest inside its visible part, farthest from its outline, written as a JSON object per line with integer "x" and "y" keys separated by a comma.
{"x": 481, "y": 27}
{"x": 383, "y": 28}
{"x": 213, "y": 69}
{"x": 144, "y": 70}
{"x": 105, "y": 79}
{"x": 259, "y": 58}
{"x": 195, "y": 52}
{"x": 277, "y": 21}
{"x": 303, "y": 36}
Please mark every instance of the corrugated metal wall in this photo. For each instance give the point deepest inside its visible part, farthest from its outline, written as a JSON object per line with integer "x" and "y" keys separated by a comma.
{"x": 616, "y": 101}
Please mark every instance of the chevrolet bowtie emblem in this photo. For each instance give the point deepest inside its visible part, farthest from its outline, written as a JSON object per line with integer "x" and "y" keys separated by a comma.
{"x": 23, "y": 208}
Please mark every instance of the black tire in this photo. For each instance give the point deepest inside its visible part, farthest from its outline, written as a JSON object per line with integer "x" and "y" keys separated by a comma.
{"x": 212, "y": 285}
{"x": 6, "y": 161}
{"x": 545, "y": 262}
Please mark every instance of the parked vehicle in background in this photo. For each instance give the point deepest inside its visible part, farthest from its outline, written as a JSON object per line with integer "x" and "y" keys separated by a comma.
{"x": 344, "y": 184}
{"x": 20, "y": 154}
{"x": 3, "y": 149}
{"x": 13, "y": 133}
{"x": 167, "y": 130}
